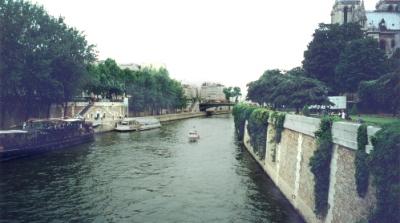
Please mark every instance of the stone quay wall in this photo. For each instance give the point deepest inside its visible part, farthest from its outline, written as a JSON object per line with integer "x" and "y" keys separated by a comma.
{"x": 291, "y": 173}
{"x": 106, "y": 115}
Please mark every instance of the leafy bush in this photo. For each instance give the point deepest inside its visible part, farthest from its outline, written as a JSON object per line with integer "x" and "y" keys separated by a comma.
{"x": 257, "y": 128}
{"x": 384, "y": 166}
{"x": 278, "y": 119}
{"x": 354, "y": 110}
{"x": 241, "y": 113}
{"x": 360, "y": 162}
{"x": 306, "y": 111}
{"x": 320, "y": 164}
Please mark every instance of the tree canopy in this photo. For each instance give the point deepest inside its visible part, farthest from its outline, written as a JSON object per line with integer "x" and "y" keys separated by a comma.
{"x": 381, "y": 95}
{"x": 152, "y": 90}
{"x": 361, "y": 60}
{"x": 323, "y": 52}
{"x": 273, "y": 86}
{"x": 232, "y": 92}
{"x": 42, "y": 60}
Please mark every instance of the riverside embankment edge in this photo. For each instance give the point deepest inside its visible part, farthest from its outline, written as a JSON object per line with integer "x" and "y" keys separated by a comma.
{"x": 291, "y": 173}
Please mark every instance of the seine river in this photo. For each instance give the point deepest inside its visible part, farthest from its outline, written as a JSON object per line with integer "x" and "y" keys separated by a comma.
{"x": 153, "y": 176}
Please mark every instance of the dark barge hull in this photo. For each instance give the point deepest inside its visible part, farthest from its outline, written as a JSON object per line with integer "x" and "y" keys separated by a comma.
{"x": 29, "y": 150}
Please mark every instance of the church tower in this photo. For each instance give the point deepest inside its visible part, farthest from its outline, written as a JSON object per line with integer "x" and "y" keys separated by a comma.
{"x": 348, "y": 11}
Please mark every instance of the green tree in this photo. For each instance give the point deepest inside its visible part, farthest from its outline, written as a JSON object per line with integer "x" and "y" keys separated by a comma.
{"x": 381, "y": 95}
{"x": 232, "y": 92}
{"x": 228, "y": 93}
{"x": 236, "y": 93}
{"x": 42, "y": 60}
{"x": 361, "y": 60}
{"x": 323, "y": 52}
{"x": 152, "y": 90}
{"x": 272, "y": 89}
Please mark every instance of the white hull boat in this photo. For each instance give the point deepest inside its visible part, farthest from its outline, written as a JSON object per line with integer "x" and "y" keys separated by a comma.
{"x": 138, "y": 124}
{"x": 193, "y": 136}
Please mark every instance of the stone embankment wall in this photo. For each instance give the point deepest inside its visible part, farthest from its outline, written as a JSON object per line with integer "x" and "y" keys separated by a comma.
{"x": 291, "y": 173}
{"x": 104, "y": 114}
{"x": 110, "y": 113}
{"x": 179, "y": 116}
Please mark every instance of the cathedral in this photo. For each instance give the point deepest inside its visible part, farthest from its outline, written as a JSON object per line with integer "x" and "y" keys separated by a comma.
{"x": 382, "y": 24}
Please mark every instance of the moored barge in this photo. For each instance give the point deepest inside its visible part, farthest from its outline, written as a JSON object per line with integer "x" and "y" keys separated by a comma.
{"x": 38, "y": 136}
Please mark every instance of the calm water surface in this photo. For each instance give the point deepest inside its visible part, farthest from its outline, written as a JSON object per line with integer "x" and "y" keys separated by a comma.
{"x": 153, "y": 176}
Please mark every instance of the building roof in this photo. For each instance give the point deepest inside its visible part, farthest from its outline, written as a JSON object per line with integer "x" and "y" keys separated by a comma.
{"x": 392, "y": 20}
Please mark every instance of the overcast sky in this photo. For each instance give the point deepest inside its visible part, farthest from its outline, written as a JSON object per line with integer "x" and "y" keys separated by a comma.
{"x": 226, "y": 41}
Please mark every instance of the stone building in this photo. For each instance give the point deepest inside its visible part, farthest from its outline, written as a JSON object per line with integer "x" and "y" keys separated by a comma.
{"x": 191, "y": 91}
{"x": 382, "y": 24}
{"x": 212, "y": 92}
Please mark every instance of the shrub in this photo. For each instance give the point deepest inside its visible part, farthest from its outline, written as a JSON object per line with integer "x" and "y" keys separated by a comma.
{"x": 278, "y": 119}
{"x": 241, "y": 113}
{"x": 384, "y": 166}
{"x": 354, "y": 110}
{"x": 360, "y": 162}
{"x": 320, "y": 164}
{"x": 257, "y": 128}
{"x": 306, "y": 111}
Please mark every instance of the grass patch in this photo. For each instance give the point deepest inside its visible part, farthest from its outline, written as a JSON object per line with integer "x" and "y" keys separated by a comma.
{"x": 375, "y": 119}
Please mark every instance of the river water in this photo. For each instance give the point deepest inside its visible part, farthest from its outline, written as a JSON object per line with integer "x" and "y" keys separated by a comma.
{"x": 153, "y": 176}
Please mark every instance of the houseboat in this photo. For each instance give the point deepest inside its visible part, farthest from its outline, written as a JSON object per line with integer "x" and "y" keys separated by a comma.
{"x": 138, "y": 124}
{"x": 38, "y": 136}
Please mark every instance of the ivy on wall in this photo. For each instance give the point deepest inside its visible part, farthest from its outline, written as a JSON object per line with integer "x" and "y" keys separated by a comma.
{"x": 257, "y": 128}
{"x": 241, "y": 113}
{"x": 385, "y": 168}
{"x": 320, "y": 164}
{"x": 278, "y": 120}
{"x": 361, "y": 162}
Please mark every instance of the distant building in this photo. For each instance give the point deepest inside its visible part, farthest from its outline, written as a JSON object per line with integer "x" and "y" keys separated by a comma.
{"x": 212, "y": 92}
{"x": 191, "y": 91}
{"x": 382, "y": 24}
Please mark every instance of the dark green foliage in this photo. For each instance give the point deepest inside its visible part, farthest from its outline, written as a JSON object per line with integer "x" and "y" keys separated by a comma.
{"x": 151, "y": 90}
{"x": 43, "y": 61}
{"x": 278, "y": 120}
{"x": 381, "y": 95}
{"x": 257, "y": 128}
{"x": 320, "y": 165}
{"x": 360, "y": 162}
{"x": 323, "y": 52}
{"x": 241, "y": 113}
{"x": 354, "y": 110}
{"x": 306, "y": 110}
{"x": 232, "y": 92}
{"x": 107, "y": 79}
{"x": 385, "y": 168}
{"x": 361, "y": 60}
{"x": 273, "y": 86}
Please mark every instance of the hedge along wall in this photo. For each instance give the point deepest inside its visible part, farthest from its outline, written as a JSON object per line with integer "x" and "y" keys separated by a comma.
{"x": 341, "y": 201}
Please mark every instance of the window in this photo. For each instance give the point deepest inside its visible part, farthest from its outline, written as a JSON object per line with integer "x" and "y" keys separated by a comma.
{"x": 345, "y": 11}
{"x": 390, "y": 8}
{"x": 393, "y": 43}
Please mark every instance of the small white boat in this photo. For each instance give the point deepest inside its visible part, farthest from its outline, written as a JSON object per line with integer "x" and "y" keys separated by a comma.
{"x": 138, "y": 124}
{"x": 193, "y": 136}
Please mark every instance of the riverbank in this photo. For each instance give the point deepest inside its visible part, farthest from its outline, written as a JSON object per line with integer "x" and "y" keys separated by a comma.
{"x": 287, "y": 165}
{"x": 109, "y": 125}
